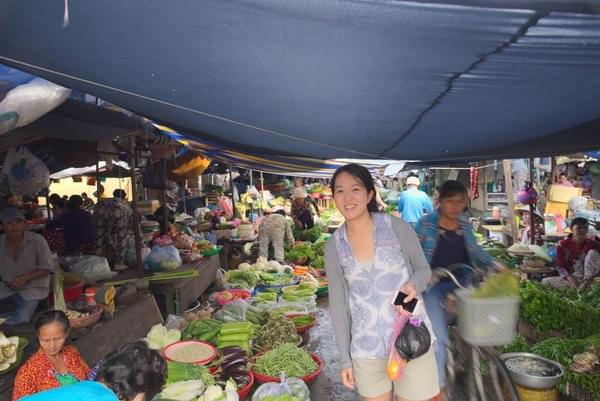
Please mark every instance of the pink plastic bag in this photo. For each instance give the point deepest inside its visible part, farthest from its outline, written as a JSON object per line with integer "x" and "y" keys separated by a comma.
{"x": 395, "y": 364}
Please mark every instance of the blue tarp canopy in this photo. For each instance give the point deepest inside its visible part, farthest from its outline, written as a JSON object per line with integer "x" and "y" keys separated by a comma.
{"x": 331, "y": 78}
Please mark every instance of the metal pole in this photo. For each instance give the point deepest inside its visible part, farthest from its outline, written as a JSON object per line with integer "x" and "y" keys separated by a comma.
{"x": 134, "y": 204}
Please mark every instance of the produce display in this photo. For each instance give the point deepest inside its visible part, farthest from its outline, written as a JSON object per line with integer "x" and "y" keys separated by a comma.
{"x": 8, "y": 351}
{"x": 206, "y": 330}
{"x": 190, "y": 351}
{"x": 181, "y": 371}
{"x": 236, "y": 334}
{"x": 549, "y": 309}
{"x": 233, "y": 365}
{"x": 278, "y": 330}
{"x": 568, "y": 319}
{"x": 288, "y": 358}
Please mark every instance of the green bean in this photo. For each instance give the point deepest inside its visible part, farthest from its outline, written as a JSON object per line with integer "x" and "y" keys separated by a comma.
{"x": 288, "y": 358}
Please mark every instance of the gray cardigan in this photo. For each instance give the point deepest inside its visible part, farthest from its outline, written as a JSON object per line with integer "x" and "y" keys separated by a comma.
{"x": 419, "y": 274}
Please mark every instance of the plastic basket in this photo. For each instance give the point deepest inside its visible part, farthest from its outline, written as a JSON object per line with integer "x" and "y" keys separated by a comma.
{"x": 487, "y": 321}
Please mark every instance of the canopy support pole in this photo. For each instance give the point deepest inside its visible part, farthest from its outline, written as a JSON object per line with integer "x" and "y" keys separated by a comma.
{"x": 232, "y": 189}
{"x": 134, "y": 205}
{"x": 507, "y": 164}
{"x": 531, "y": 206}
{"x": 262, "y": 191}
{"x": 163, "y": 196}
{"x": 98, "y": 194}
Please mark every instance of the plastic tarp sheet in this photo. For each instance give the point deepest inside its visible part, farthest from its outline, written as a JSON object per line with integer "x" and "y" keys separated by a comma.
{"x": 331, "y": 78}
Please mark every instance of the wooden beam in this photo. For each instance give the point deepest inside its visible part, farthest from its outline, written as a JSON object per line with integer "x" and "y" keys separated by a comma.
{"x": 134, "y": 205}
{"x": 507, "y": 164}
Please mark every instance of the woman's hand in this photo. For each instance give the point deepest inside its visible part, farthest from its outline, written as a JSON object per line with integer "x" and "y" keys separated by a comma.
{"x": 347, "y": 378}
{"x": 410, "y": 290}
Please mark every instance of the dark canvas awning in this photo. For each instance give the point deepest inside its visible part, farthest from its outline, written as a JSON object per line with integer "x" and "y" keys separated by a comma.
{"x": 331, "y": 78}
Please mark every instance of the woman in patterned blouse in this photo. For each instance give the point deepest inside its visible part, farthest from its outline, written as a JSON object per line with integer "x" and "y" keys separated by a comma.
{"x": 53, "y": 365}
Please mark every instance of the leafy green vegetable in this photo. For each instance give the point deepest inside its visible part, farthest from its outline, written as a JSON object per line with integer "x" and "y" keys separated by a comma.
{"x": 547, "y": 309}
{"x": 181, "y": 371}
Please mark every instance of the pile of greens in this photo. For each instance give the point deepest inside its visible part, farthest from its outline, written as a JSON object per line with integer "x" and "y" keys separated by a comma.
{"x": 310, "y": 235}
{"x": 547, "y": 309}
{"x": 299, "y": 251}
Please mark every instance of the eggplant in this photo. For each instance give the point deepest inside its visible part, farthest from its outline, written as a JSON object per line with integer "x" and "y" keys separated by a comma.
{"x": 235, "y": 370}
{"x": 233, "y": 351}
{"x": 225, "y": 363}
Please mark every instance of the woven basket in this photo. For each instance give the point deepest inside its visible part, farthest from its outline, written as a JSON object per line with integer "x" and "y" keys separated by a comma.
{"x": 87, "y": 321}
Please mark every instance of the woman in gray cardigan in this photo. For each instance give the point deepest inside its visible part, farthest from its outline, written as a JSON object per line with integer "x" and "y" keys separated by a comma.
{"x": 368, "y": 260}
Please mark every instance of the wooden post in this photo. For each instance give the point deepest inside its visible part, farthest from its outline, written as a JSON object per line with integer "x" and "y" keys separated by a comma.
{"x": 98, "y": 185}
{"x": 510, "y": 197}
{"x": 163, "y": 197}
{"x": 232, "y": 189}
{"x": 134, "y": 205}
{"x": 262, "y": 189}
{"x": 531, "y": 207}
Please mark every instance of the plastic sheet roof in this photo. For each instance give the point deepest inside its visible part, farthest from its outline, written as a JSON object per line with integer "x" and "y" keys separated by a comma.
{"x": 331, "y": 78}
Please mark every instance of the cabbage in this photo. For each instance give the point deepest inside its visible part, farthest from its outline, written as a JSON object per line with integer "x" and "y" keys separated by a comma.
{"x": 159, "y": 336}
{"x": 245, "y": 266}
{"x": 540, "y": 253}
{"x": 183, "y": 390}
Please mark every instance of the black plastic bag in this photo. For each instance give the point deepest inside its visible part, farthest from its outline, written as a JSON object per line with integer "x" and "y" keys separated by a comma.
{"x": 413, "y": 341}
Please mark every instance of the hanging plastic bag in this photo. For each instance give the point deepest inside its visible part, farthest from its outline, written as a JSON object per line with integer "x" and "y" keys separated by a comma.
{"x": 27, "y": 174}
{"x": 413, "y": 341}
{"x": 395, "y": 364}
{"x": 163, "y": 258}
{"x": 91, "y": 267}
{"x": 30, "y": 101}
{"x": 226, "y": 205}
{"x": 291, "y": 386}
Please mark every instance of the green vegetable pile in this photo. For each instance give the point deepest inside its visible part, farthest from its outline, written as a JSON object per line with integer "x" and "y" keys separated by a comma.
{"x": 236, "y": 335}
{"x": 181, "y": 371}
{"x": 300, "y": 292}
{"x": 288, "y": 358}
{"x": 498, "y": 285}
{"x": 310, "y": 235}
{"x": 548, "y": 309}
{"x": 205, "y": 330}
{"x": 300, "y": 252}
{"x": 278, "y": 330}
{"x": 241, "y": 279}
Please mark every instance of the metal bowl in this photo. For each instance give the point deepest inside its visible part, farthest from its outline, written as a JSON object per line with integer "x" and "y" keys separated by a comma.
{"x": 530, "y": 381}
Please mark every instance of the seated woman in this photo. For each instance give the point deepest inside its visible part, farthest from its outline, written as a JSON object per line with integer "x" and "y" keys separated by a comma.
{"x": 53, "y": 365}
{"x": 78, "y": 229}
{"x": 132, "y": 373}
{"x": 577, "y": 258}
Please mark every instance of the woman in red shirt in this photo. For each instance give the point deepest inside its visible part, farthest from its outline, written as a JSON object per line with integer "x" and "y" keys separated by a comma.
{"x": 577, "y": 258}
{"x": 53, "y": 365}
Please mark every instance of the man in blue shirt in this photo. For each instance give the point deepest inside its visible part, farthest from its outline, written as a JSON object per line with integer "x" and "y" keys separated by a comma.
{"x": 413, "y": 204}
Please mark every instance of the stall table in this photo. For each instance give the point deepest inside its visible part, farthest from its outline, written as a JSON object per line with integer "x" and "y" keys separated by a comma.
{"x": 179, "y": 294}
{"x": 231, "y": 245}
{"x": 131, "y": 321}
